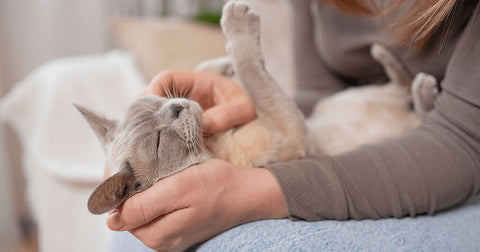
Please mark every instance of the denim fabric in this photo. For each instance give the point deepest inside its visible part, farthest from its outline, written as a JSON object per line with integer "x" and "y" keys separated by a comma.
{"x": 457, "y": 229}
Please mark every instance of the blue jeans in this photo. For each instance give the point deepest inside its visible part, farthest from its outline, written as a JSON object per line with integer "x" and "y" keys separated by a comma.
{"x": 457, "y": 229}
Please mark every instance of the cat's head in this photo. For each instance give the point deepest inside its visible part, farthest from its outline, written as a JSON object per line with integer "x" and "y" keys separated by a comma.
{"x": 156, "y": 138}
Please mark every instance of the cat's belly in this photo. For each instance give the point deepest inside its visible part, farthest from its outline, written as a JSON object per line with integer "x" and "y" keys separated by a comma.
{"x": 342, "y": 127}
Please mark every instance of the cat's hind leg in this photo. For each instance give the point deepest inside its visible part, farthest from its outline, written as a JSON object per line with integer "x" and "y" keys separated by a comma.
{"x": 424, "y": 93}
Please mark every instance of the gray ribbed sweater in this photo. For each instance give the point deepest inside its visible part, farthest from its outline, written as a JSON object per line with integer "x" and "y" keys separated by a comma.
{"x": 432, "y": 167}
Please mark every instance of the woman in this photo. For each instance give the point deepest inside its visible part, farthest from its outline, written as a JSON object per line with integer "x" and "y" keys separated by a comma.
{"x": 431, "y": 168}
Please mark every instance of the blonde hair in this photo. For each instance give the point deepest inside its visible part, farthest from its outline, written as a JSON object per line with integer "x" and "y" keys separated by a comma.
{"x": 413, "y": 28}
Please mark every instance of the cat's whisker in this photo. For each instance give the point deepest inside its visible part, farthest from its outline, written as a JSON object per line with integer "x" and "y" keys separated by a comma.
{"x": 194, "y": 147}
{"x": 175, "y": 93}
{"x": 190, "y": 149}
{"x": 200, "y": 146}
{"x": 167, "y": 92}
{"x": 186, "y": 93}
{"x": 170, "y": 94}
{"x": 182, "y": 94}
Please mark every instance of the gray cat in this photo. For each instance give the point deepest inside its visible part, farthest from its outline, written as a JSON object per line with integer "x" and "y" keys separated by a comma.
{"x": 160, "y": 136}
{"x": 157, "y": 137}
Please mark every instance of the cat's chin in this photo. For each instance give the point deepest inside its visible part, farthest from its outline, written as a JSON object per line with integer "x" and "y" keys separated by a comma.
{"x": 189, "y": 161}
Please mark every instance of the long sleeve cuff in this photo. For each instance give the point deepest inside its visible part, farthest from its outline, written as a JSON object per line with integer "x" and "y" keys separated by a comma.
{"x": 296, "y": 179}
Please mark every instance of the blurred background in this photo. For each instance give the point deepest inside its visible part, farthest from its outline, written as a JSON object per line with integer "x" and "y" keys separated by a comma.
{"x": 98, "y": 53}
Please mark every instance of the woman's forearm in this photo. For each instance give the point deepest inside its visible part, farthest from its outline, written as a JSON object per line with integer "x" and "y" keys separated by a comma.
{"x": 428, "y": 170}
{"x": 431, "y": 168}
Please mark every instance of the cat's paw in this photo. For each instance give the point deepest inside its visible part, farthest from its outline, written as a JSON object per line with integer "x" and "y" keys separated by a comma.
{"x": 239, "y": 22}
{"x": 424, "y": 92}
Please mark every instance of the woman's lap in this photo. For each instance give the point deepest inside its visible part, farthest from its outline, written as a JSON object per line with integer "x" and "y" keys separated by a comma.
{"x": 453, "y": 230}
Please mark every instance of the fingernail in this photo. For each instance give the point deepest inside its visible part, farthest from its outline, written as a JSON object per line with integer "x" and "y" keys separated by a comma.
{"x": 113, "y": 213}
{"x": 114, "y": 221}
{"x": 206, "y": 126}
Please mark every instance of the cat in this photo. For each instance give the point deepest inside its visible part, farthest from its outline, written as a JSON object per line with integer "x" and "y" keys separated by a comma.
{"x": 372, "y": 113}
{"x": 160, "y": 136}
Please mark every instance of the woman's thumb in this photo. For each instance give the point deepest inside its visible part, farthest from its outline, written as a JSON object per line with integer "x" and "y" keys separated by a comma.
{"x": 226, "y": 116}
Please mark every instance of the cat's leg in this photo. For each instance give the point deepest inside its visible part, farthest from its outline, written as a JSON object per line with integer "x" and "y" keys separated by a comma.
{"x": 220, "y": 65}
{"x": 241, "y": 26}
{"x": 274, "y": 108}
{"x": 424, "y": 93}
{"x": 396, "y": 72}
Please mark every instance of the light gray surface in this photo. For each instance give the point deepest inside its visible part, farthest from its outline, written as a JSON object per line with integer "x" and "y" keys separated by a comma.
{"x": 452, "y": 230}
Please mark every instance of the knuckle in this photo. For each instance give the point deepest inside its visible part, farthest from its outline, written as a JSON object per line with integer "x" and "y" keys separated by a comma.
{"x": 140, "y": 212}
{"x": 133, "y": 214}
{"x": 167, "y": 72}
{"x": 164, "y": 77}
{"x": 151, "y": 243}
{"x": 159, "y": 242}
{"x": 224, "y": 114}
{"x": 160, "y": 76}
{"x": 160, "y": 82}
{"x": 222, "y": 119}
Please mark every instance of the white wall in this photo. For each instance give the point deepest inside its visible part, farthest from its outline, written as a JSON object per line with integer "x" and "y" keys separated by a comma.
{"x": 31, "y": 33}
{"x": 34, "y": 31}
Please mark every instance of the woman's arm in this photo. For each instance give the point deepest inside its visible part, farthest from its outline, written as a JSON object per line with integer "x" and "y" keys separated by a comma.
{"x": 313, "y": 79}
{"x": 431, "y": 168}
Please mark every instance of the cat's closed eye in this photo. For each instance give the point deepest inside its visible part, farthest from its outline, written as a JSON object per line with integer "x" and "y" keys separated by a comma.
{"x": 158, "y": 140}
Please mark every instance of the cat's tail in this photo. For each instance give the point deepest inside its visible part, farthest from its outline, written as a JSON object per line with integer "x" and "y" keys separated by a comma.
{"x": 395, "y": 70}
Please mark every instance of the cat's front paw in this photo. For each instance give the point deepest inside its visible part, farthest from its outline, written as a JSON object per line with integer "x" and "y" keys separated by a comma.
{"x": 240, "y": 22}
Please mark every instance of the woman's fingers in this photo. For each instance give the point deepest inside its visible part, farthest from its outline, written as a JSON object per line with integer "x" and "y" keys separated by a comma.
{"x": 227, "y": 115}
{"x": 207, "y": 88}
{"x": 162, "y": 198}
{"x": 224, "y": 102}
{"x": 163, "y": 233}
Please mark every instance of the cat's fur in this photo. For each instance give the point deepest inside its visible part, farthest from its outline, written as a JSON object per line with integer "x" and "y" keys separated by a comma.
{"x": 160, "y": 136}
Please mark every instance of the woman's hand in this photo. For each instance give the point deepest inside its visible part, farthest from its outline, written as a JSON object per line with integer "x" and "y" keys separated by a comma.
{"x": 198, "y": 203}
{"x": 224, "y": 103}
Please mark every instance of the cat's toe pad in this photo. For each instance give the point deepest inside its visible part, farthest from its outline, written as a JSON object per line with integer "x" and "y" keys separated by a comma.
{"x": 239, "y": 21}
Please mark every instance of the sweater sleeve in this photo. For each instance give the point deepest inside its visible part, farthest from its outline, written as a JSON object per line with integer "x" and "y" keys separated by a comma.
{"x": 433, "y": 167}
{"x": 313, "y": 80}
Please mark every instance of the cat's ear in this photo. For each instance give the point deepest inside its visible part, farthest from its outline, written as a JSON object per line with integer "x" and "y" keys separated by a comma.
{"x": 113, "y": 191}
{"x": 103, "y": 127}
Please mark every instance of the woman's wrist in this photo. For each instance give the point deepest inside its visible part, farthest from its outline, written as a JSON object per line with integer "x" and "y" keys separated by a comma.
{"x": 263, "y": 196}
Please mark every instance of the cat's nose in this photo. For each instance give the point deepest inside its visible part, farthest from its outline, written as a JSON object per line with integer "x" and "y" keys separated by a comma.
{"x": 177, "y": 108}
